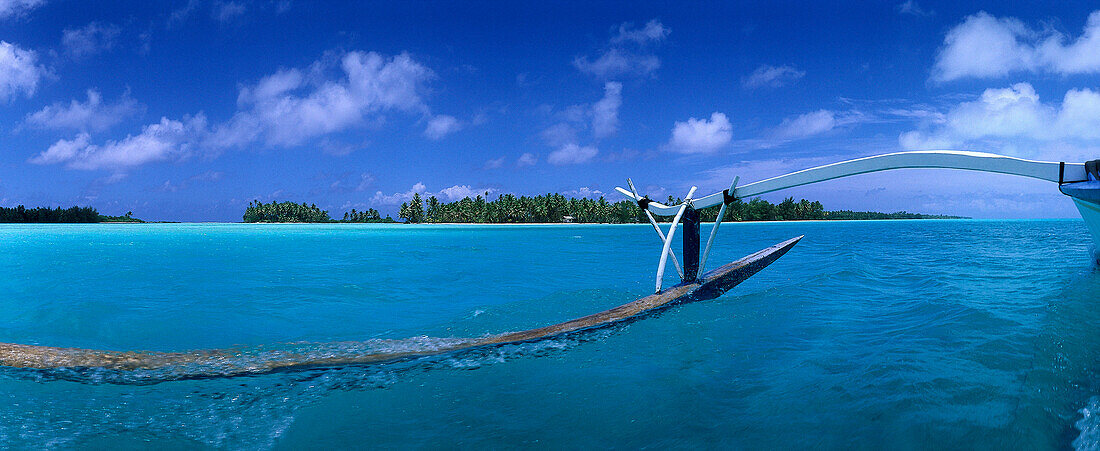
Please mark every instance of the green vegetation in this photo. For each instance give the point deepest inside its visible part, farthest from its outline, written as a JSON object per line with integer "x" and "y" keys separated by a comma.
{"x": 128, "y": 217}
{"x": 508, "y": 208}
{"x": 291, "y": 212}
{"x": 848, "y": 214}
{"x": 22, "y": 214}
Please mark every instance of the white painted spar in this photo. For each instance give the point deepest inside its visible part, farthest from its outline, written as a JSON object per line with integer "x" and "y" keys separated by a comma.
{"x": 671, "y": 233}
{"x": 657, "y": 228}
{"x": 717, "y": 222}
{"x": 941, "y": 159}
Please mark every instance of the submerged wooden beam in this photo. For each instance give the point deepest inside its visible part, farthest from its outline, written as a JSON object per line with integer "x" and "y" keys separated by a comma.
{"x": 153, "y": 367}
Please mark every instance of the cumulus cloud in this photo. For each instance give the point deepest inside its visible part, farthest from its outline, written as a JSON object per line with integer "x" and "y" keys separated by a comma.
{"x": 459, "y": 192}
{"x": 89, "y": 40}
{"x": 289, "y": 108}
{"x": 1013, "y": 113}
{"x": 627, "y": 53}
{"x": 571, "y": 154}
{"x": 441, "y": 126}
{"x": 527, "y": 159}
{"x": 285, "y": 109}
{"x": 166, "y": 140}
{"x": 984, "y": 46}
{"x": 398, "y": 198}
{"x": 701, "y": 135}
{"x": 605, "y": 112}
{"x": 19, "y": 72}
{"x": 9, "y": 8}
{"x": 771, "y": 76}
{"x": 91, "y": 116}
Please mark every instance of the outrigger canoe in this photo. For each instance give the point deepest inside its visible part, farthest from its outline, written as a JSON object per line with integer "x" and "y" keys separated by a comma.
{"x": 136, "y": 367}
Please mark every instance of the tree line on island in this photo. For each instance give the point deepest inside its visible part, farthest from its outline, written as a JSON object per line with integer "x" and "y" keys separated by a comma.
{"x": 292, "y": 212}
{"x": 552, "y": 208}
{"x": 22, "y": 214}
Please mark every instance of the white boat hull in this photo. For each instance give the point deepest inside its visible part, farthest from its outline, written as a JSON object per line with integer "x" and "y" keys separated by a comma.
{"x": 1090, "y": 212}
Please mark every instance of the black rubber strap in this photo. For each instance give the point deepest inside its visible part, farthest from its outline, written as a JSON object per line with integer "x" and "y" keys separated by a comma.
{"x": 643, "y": 203}
{"x": 728, "y": 198}
{"x": 1061, "y": 172}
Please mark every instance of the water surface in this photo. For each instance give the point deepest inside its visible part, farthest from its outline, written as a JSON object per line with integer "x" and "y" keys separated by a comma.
{"x": 898, "y": 334}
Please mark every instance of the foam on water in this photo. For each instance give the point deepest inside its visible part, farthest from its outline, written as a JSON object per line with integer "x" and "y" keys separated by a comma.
{"x": 1089, "y": 425}
{"x": 245, "y": 412}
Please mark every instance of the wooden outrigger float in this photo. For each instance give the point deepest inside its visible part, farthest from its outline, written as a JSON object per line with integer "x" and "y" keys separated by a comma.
{"x": 153, "y": 367}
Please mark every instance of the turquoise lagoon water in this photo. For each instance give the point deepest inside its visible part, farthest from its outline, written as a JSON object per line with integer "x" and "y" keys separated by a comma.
{"x": 900, "y": 334}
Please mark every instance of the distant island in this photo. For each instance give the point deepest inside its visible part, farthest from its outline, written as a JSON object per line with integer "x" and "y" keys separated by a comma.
{"x": 291, "y": 212}
{"x": 22, "y": 214}
{"x": 556, "y": 208}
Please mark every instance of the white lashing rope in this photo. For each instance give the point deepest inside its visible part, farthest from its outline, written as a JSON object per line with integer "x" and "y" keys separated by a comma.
{"x": 672, "y": 233}
{"x": 652, "y": 220}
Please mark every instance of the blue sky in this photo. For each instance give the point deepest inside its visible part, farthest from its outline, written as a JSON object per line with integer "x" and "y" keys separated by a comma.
{"x": 186, "y": 110}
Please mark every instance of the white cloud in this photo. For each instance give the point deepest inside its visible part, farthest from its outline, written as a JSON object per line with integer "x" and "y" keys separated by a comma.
{"x": 983, "y": 46}
{"x": 90, "y": 116}
{"x": 571, "y": 154}
{"x": 805, "y": 125}
{"x": 166, "y": 140}
{"x": 18, "y": 72}
{"x": 653, "y": 31}
{"x": 771, "y": 76}
{"x": 441, "y": 126}
{"x": 456, "y": 192}
{"x": 9, "y": 8}
{"x": 701, "y": 135}
{"x": 1013, "y": 113}
{"x": 495, "y": 163}
{"x": 527, "y": 159}
{"x": 89, "y": 40}
{"x": 287, "y": 109}
{"x": 583, "y": 191}
{"x": 626, "y": 53}
{"x": 398, "y": 198}
{"x": 459, "y": 192}
{"x": 605, "y": 112}
{"x": 912, "y": 8}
